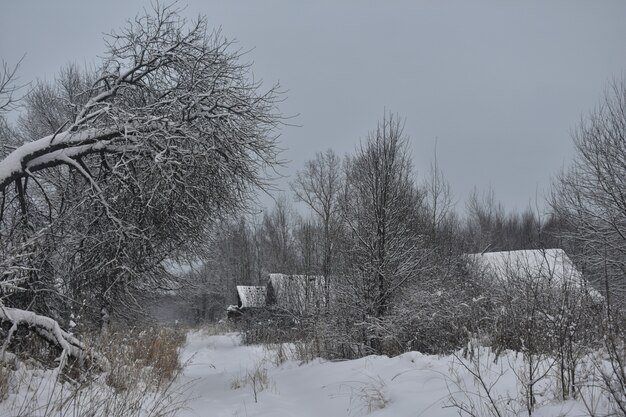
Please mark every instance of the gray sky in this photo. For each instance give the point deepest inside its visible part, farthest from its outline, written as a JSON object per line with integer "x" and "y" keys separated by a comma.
{"x": 500, "y": 84}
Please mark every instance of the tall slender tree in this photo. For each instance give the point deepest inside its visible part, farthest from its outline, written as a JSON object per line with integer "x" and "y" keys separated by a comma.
{"x": 381, "y": 207}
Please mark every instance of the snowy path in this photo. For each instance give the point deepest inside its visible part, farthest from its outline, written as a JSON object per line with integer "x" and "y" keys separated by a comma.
{"x": 412, "y": 383}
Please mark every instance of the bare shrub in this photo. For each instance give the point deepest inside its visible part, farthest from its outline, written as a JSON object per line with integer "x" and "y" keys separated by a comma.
{"x": 278, "y": 353}
{"x": 306, "y": 351}
{"x": 257, "y": 378}
{"x": 367, "y": 396}
{"x": 477, "y": 398}
{"x": 602, "y": 387}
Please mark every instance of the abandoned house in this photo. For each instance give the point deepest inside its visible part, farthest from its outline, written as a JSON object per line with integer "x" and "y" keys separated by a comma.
{"x": 298, "y": 294}
{"x": 548, "y": 268}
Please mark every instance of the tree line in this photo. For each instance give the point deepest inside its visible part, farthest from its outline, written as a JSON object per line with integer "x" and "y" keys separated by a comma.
{"x": 368, "y": 212}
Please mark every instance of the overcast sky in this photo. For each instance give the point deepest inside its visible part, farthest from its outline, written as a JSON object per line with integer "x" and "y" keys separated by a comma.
{"x": 499, "y": 85}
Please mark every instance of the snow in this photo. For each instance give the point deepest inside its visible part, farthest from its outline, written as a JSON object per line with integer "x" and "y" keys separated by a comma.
{"x": 411, "y": 384}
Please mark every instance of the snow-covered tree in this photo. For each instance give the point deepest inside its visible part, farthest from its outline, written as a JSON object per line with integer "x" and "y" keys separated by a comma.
{"x": 591, "y": 196}
{"x": 590, "y": 199}
{"x": 130, "y": 164}
{"x": 382, "y": 211}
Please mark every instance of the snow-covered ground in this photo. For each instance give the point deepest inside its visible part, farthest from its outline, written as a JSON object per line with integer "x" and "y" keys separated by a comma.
{"x": 221, "y": 374}
{"x": 408, "y": 385}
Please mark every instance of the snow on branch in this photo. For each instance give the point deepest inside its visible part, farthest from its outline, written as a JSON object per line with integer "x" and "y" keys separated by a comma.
{"x": 165, "y": 93}
{"x": 47, "y": 328}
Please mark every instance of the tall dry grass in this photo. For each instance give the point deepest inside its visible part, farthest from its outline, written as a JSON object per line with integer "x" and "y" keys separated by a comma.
{"x": 140, "y": 380}
{"x": 150, "y": 356}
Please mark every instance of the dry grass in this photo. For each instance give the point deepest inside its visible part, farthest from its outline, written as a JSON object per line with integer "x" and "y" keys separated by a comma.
{"x": 150, "y": 356}
{"x": 139, "y": 382}
{"x": 238, "y": 382}
{"x": 43, "y": 398}
{"x": 5, "y": 376}
{"x": 371, "y": 395}
{"x": 257, "y": 378}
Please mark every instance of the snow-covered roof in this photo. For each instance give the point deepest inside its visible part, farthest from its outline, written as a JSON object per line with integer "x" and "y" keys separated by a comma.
{"x": 279, "y": 279}
{"x": 299, "y": 293}
{"x": 251, "y": 296}
{"x": 550, "y": 265}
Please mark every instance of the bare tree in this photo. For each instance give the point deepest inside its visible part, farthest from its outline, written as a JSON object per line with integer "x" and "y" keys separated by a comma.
{"x": 308, "y": 242}
{"x": 591, "y": 195}
{"x": 438, "y": 197}
{"x": 485, "y": 218}
{"x": 9, "y": 101}
{"x": 590, "y": 198}
{"x": 277, "y": 237}
{"x": 170, "y": 135}
{"x": 318, "y": 185}
{"x": 9, "y": 87}
{"x": 381, "y": 209}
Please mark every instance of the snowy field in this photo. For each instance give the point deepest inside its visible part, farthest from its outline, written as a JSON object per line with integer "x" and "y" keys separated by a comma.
{"x": 223, "y": 378}
{"x": 219, "y": 373}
